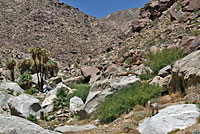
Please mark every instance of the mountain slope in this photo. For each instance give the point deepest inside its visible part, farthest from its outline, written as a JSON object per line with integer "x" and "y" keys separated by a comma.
{"x": 62, "y": 29}
{"x": 122, "y": 19}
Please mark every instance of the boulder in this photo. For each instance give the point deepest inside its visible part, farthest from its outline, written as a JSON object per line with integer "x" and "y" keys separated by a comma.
{"x": 193, "y": 5}
{"x": 121, "y": 82}
{"x": 185, "y": 73}
{"x": 165, "y": 71}
{"x": 75, "y": 104}
{"x": 47, "y": 104}
{"x": 12, "y": 86}
{"x": 103, "y": 88}
{"x": 161, "y": 81}
{"x": 4, "y": 97}
{"x": 24, "y": 105}
{"x": 169, "y": 119}
{"x": 77, "y": 80}
{"x": 63, "y": 86}
{"x": 16, "y": 125}
{"x": 90, "y": 72}
{"x": 195, "y": 45}
{"x": 70, "y": 128}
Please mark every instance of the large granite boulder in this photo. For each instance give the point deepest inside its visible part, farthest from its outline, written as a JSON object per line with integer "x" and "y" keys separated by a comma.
{"x": 4, "y": 97}
{"x": 24, "y": 105}
{"x": 185, "y": 73}
{"x": 75, "y": 104}
{"x": 16, "y": 125}
{"x": 169, "y": 119}
{"x": 103, "y": 88}
{"x": 11, "y": 86}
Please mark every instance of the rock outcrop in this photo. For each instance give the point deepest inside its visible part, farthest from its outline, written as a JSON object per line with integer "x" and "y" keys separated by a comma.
{"x": 24, "y": 105}
{"x": 169, "y": 119}
{"x": 17, "y": 125}
{"x": 185, "y": 73}
{"x": 11, "y": 86}
{"x": 75, "y": 104}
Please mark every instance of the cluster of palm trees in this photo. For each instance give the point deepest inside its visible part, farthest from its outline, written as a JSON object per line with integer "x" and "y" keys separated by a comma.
{"x": 40, "y": 64}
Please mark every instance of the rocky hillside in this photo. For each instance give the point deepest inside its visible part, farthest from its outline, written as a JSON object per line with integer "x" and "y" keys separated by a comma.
{"x": 62, "y": 29}
{"x": 122, "y": 19}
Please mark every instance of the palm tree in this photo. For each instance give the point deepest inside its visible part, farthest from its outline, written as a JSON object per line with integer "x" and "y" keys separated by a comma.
{"x": 11, "y": 66}
{"x": 34, "y": 54}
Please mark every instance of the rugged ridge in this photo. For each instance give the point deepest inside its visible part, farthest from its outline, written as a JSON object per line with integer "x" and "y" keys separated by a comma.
{"x": 62, "y": 29}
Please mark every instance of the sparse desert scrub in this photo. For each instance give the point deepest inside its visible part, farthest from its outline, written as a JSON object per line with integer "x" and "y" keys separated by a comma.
{"x": 156, "y": 61}
{"x": 125, "y": 99}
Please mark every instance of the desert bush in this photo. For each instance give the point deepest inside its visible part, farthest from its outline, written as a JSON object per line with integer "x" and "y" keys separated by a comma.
{"x": 125, "y": 99}
{"x": 123, "y": 51}
{"x": 25, "y": 80}
{"x": 156, "y": 61}
{"x": 146, "y": 75}
{"x": 32, "y": 118}
{"x": 82, "y": 91}
{"x": 61, "y": 99}
{"x": 31, "y": 91}
{"x": 198, "y": 105}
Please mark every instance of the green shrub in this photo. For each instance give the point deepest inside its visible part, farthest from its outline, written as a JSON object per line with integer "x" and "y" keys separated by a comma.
{"x": 125, "y": 99}
{"x": 31, "y": 91}
{"x": 198, "y": 105}
{"x": 146, "y": 75}
{"x": 10, "y": 91}
{"x": 123, "y": 51}
{"x": 82, "y": 91}
{"x": 33, "y": 118}
{"x": 61, "y": 99}
{"x": 156, "y": 61}
{"x": 18, "y": 93}
{"x": 25, "y": 80}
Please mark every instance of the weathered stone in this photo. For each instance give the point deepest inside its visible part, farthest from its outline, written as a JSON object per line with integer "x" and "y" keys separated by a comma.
{"x": 68, "y": 128}
{"x": 161, "y": 81}
{"x": 136, "y": 27}
{"x": 195, "y": 45}
{"x": 185, "y": 73}
{"x": 174, "y": 15}
{"x": 90, "y": 72}
{"x": 194, "y": 5}
{"x": 75, "y": 104}
{"x": 77, "y": 80}
{"x": 11, "y": 86}
{"x": 24, "y": 105}
{"x": 16, "y": 125}
{"x": 47, "y": 104}
{"x": 165, "y": 71}
{"x": 170, "y": 118}
{"x": 4, "y": 97}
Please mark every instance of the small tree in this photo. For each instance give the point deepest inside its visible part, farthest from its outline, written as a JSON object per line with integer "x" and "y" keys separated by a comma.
{"x": 11, "y": 66}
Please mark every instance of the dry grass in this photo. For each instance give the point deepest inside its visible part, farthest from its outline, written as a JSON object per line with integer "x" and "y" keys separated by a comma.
{"x": 178, "y": 96}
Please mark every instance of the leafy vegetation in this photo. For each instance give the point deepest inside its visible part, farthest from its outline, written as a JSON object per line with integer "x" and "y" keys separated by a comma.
{"x": 82, "y": 91}
{"x": 25, "y": 80}
{"x": 61, "y": 99}
{"x": 146, "y": 75}
{"x": 33, "y": 118}
{"x": 125, "y": 99}
{"x": 31, "y": 91}
{"x": 156, "y": 61}
{"x": 123, "y": 51}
